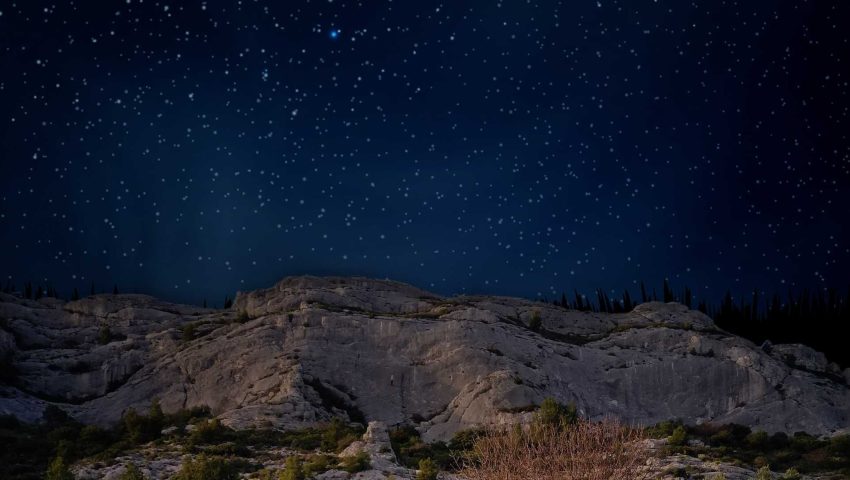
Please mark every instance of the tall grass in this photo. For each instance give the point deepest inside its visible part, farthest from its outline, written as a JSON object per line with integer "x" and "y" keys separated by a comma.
{"x": 582, "y": 451}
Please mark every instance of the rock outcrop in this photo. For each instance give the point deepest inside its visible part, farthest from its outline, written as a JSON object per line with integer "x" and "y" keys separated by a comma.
{"x": 309, "y": 349}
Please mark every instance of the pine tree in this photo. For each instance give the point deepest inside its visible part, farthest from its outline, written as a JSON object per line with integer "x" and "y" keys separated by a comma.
{"x": 115, "y": 289}
{"x": 628, "y": 306}
{"x": 75, "y": 295}
{"x": 668, "y": 292}
{"x": 92, "y": 291}
{"x": 579, "y": 301}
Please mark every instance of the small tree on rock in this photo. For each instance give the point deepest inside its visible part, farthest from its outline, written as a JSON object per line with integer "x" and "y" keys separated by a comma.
{"x": 292, "y": 470}
{"x": 427, "y": 470}
{"x": 58, "y": 470}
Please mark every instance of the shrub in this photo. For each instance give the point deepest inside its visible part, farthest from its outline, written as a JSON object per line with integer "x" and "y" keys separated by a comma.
{"x": 242, "y": 317}
{"x": 204, "y": 468}
{"x": 355, "y": 463}
{"x": 292, "y": 470}
{"x": 266, "y": 474}
{"x": 586, "y": 450}
{"x": 58, "y": 470}
{"x": 207, "y": 432}
{"x": 131, "y": 472}
{"x": 427, "y": 470}
{"x": 188, "y": 332}
{"x": 337, "y": 436}
{"x": 141, "y": 428}
{"x": 465, "y": 439}
{"x": 318, "y": 464}
{"x": 535, "y": 323}
{"x": 840, "y": 446}
{"x": 553, "y": 414}
{"x": 758, "y": 440}
{"x": 678, "y": 437}
{"x": 763, "y": 473}
{"x": 104, "y": 335}
{"x": 792, "y": 474}
{"x": 662, "y": 429}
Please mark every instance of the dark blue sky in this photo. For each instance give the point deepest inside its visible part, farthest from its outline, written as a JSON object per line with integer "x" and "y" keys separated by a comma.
{"x": 192, "y": 149}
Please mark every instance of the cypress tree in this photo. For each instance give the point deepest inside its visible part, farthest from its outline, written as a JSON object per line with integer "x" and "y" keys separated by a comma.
{"x": 627, "y": 301}
{"x": 579, "y": 301}
{"x": 668, "y": 292}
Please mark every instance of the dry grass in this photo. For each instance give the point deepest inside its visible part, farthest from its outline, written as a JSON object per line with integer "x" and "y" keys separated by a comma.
{"x": 583, "y": 451}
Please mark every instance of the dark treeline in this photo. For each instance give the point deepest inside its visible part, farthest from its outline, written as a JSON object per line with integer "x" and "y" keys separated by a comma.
{"x": 38, "y": 292}
{"x": 814, "y": 318}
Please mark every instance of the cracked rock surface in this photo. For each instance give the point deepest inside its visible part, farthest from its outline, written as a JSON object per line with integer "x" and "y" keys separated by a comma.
{"x": 309, "y": 348}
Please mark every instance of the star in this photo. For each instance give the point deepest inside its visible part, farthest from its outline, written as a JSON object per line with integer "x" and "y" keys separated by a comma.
{"x": 334, "y": 33}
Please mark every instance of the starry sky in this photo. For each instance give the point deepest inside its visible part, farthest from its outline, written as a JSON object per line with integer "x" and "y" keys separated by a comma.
{"x": 190, "y": 149}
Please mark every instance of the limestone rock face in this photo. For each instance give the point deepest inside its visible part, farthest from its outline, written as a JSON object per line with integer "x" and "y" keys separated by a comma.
{"x": 309, "y": 349}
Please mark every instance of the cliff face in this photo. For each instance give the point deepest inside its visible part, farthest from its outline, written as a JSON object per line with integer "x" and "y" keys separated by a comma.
{"x": 311, "y": 348}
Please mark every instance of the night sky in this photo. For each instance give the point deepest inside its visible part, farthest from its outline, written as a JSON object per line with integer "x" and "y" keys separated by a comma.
{"x": 193, "y": 149}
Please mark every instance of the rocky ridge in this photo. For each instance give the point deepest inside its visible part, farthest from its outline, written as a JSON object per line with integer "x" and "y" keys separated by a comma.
{"x": 309, "y": 349}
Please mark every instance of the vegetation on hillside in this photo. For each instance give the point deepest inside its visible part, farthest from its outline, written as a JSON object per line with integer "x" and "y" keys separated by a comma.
{"x": 739, "y": 445}
{"x": 757, "y": 316}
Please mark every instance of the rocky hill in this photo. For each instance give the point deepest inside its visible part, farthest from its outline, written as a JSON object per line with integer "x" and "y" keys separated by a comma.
{"x": 309, "y": 349}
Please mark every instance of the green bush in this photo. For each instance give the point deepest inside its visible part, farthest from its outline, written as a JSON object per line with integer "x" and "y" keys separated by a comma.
{"x": 144, "y": 428}
{"x": 318, "y": 464}
{"x": 104, "y": 336}
{"x": 58, "y": 470}
{"x": 427, "y": 470}
{"x": 678, "y": 437}
{"x": 293, "y": 469}
{"x": 763, "y": 473}
{"x": 131, "y": 472}
{"x": 792, "y": 474}
{"x": 536, "y": 322}
{"x": 662, "y": 429}
{"x": 840, "y": 446}
{"x": 464, "y": 440}
{"x": 204, "y": 468}
{"x": 553, "y": 414}
{"x": 337, "y": 436}
{"x": 757, "y": 440}
{"x": 208, "y": 432}
{"x": 355, "y": 463}
{"x": 188, "y": 332}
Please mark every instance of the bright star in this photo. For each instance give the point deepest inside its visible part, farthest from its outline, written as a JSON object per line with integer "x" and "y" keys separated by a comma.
{"x": 334, "y": 34}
